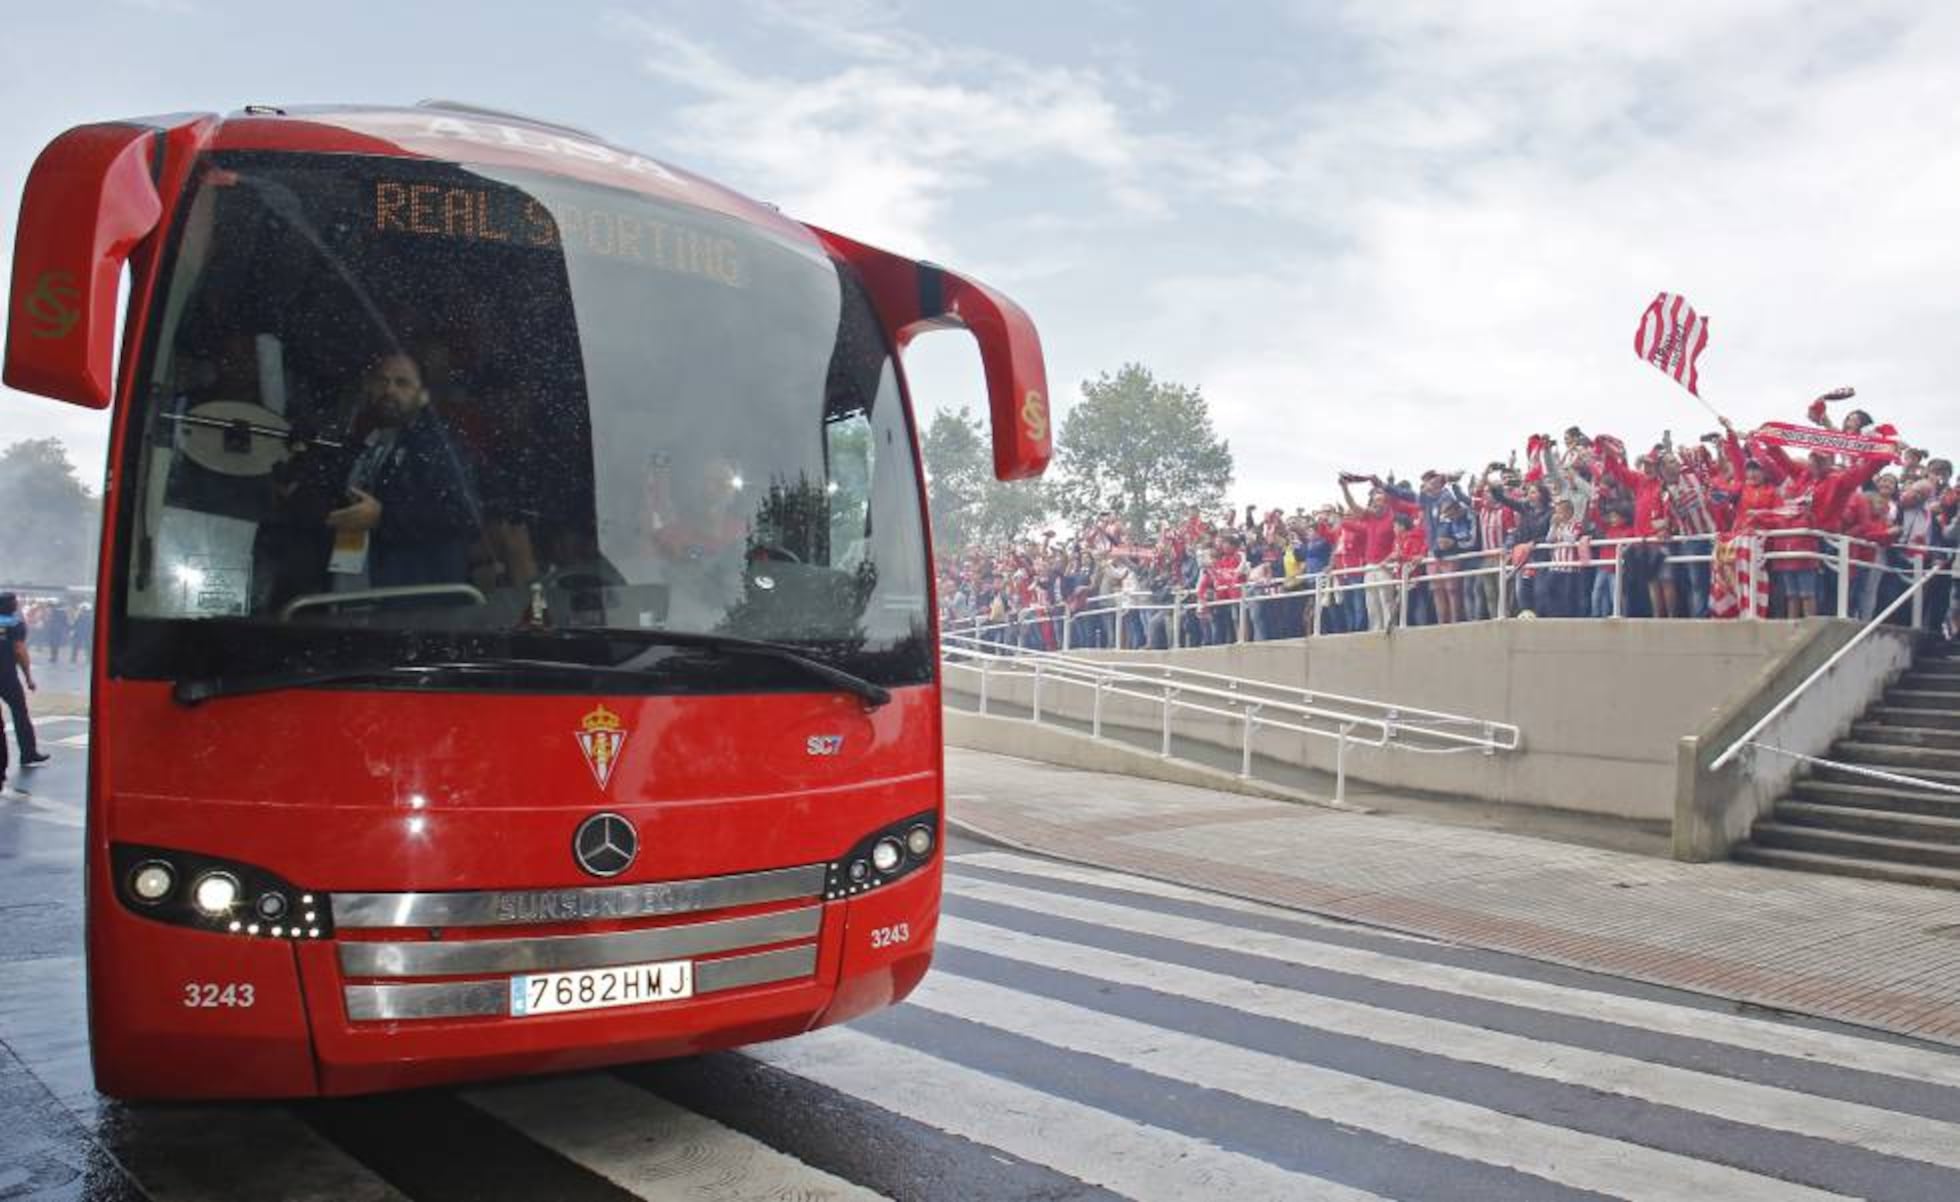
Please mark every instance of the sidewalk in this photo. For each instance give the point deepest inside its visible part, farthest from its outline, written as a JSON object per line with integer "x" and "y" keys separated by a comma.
{"x": 1865, "y": 952}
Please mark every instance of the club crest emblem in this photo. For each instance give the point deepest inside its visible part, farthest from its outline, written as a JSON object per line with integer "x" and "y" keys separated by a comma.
{"x": 600, "y": 736}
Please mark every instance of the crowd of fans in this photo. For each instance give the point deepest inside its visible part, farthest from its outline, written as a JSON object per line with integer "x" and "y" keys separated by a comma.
{"x": 59, "y": 626}
{"x": 1582, "y": 529}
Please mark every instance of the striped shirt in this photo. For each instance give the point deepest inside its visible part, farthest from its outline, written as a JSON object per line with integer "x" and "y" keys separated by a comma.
{"x": 1494, "y": 521}
{"x": 1564, "y": 542}
{"x": 1688, "y": 500}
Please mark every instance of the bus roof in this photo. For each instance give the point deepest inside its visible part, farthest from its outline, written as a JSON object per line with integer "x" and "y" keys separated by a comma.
{"x": 467, "y": 134}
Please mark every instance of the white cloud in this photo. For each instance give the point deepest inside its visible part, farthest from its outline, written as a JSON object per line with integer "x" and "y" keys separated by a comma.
{"x": 1509, "y": 193}
{"x": 883, "y": 141}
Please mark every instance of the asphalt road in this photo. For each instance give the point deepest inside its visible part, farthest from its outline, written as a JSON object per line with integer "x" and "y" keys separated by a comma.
{"x": 1084, "y": 1034}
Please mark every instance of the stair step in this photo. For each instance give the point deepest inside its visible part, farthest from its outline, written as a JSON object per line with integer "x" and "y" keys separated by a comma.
{"x": 1938, "y": 763}
{"x": 1929, "y": 699}
{"x": 1875, "y": 870}
{"x": 1886, "y": 734}
{"x": 1856, "y": 846}
{"x": 1876, "y": 795}
{"x": 1890, "y": 824}
{"x": 1892, "y": 715}
{"x": 1920, "y": 679}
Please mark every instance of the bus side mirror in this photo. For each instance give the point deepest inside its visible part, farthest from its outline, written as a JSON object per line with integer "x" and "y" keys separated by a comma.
{"x": 89, "y": 200}
{"x": 913, "y": 297}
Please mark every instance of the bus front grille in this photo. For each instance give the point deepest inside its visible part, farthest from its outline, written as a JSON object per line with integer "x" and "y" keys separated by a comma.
{"x": 476, "y": 999}
{"x": 386, "y": 980}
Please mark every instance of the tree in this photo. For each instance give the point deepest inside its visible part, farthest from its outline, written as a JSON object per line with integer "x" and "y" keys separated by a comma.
{"x": 1143, "y": 448}
{"x": 968, "y": 506}
{"x": 49, "y": 535}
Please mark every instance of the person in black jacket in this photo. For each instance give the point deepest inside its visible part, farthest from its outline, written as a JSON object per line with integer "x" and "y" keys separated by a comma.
{"x": 1534, "y": 524}
{"x": 409, "y": 492}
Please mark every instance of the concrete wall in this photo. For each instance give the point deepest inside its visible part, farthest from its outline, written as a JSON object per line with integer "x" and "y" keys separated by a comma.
{"x": 1714, "y": 810}
{"x": 1602, "y": 705}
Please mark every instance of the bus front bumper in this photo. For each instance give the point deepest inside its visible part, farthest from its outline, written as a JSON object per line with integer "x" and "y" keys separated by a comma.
{"x": 366, "y": 1011}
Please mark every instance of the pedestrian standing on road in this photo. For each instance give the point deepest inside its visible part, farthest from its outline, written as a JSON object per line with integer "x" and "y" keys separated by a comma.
{"x": 54, "y": 629}
{"x": 81, "y": 627}
{"x": 18, "y": 668}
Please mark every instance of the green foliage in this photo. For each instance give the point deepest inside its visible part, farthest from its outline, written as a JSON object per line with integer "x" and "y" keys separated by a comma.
{"x": 51, "y": 521}
{"x": 969, "y": 507}
{"x": 1143, "y": 448}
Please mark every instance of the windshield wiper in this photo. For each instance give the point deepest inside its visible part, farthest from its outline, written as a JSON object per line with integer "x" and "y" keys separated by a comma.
{"x": 195, "y": 691}
{"x": 873, "y": 695}
{"x": 198, "y": 690}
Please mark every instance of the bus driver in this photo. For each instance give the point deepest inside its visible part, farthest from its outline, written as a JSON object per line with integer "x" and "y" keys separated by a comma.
{"x": 412, "y": 511}
{"x": 696, "y": 510}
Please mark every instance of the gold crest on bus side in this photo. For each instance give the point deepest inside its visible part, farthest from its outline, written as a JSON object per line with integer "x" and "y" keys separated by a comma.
{"x": 600, "y": 736}
{"x": 1034, "y": 416}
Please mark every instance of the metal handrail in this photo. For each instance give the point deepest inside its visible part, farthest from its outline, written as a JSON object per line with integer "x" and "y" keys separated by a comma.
{"x": 1776, "y": 711}
{"x": 1891, "y": 778}
{"x": 1404, "y": 715}
{"x": 1323, "y": 585}
{"x": 1420, "y": 732}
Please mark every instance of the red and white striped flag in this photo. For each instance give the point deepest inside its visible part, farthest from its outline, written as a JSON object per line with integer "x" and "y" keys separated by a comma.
{"x": 1738, "y": 586}
{"x": 1671, "y": 337}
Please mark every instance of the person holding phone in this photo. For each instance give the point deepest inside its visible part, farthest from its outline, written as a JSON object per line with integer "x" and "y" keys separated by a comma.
{"x": 411, "y": 511}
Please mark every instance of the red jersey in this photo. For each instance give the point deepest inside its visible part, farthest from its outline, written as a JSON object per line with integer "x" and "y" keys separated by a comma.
{"x": 1223, "y": 580}
{"x": 1412, "y": 545}
{"x": 1652, "y": 516}
{"x": 1351, "y": 545}
{"x": 1607, "y": 559}
{"x": 1379, "y": 529}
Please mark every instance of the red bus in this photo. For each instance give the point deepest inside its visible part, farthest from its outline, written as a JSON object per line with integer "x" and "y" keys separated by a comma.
{"x": 517, "y": 646}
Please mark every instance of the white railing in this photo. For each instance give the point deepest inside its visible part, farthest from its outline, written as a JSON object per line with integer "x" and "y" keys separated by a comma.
{"x": 1256, "y": 705}
{"x": 1121, "y": 616}
{"x": 1748, "y": 737}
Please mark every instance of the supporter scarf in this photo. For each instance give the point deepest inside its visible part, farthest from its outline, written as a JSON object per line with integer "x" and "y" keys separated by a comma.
{"x": 1836, "y": 442}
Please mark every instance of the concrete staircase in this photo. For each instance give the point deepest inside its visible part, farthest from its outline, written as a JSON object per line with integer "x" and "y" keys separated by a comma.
{"x": 1841, "y": 822}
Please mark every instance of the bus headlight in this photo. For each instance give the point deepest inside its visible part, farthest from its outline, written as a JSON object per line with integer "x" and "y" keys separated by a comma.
{"x": 216, "y": 893}
{"x": 207, "y": 893}
{"x": 153, "y": 881}
{"x": 883, "y": 856}
{"x": 918, "y": 841}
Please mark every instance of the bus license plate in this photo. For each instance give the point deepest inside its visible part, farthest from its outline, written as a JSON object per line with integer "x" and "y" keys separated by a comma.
{"x": 599, "y": 988}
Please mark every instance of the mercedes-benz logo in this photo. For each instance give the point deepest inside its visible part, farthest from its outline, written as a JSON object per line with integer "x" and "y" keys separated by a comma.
{"x": 605, "y": 845}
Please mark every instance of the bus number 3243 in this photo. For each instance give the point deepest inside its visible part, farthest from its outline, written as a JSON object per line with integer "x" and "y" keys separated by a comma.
{"x": 891, "y": 936}
{"x": 209, "y": 995}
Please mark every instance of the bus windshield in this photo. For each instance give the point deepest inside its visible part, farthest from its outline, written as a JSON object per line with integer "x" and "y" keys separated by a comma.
{"x": 396, "y": 408}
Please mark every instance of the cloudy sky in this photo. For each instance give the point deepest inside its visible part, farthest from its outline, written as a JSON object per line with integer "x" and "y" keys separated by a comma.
{"x": 1376, "y": 235}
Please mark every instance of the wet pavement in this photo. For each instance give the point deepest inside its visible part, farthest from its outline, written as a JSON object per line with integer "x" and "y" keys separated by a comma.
{"x": 1084, "y": 1034}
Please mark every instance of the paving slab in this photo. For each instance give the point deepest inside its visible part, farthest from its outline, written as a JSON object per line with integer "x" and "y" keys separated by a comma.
{"x": 1873, "y": 953}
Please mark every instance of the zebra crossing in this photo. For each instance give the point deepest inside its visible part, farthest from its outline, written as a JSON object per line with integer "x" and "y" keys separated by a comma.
{"x": 1088, "y": 1034}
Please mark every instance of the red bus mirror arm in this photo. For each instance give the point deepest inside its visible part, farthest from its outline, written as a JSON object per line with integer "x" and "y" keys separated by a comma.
{"x": 912, "y": 297}
{"x": 90, "y": 199}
